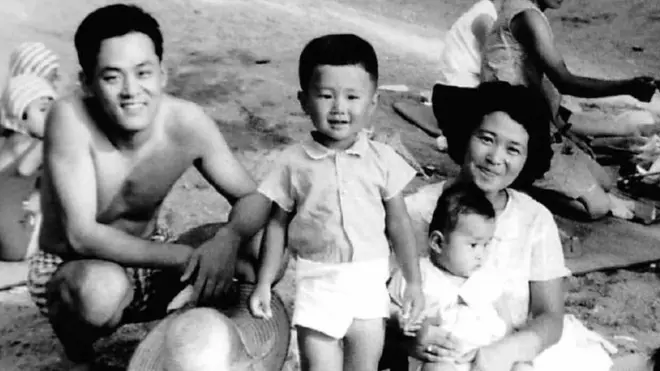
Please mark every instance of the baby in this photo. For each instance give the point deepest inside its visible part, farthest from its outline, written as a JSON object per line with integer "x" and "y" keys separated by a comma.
{"x": 343, "y": 193}
{"x": 25, "y": 102}
{"x": 465, "y": 294}
{"x": 460, "y": 291}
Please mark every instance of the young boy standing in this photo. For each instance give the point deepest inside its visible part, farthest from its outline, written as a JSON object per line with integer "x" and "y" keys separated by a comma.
{"x": 345, "y": 192}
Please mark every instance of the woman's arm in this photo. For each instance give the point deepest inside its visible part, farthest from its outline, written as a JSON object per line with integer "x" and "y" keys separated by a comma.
{"x": 532, "y": 31}
{"x": 543, "y": 330}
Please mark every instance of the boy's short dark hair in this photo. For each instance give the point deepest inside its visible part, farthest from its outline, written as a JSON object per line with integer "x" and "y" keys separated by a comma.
{"x": 459, "y": 199}
{"x": 113, "y": 21}
{"x": 337, "y": 50}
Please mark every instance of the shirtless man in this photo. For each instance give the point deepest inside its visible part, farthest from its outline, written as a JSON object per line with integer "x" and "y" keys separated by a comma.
{"x": 111, "y": 156}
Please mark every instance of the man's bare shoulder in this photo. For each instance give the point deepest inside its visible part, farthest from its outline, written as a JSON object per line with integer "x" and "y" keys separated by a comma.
{"x": 68, "y": 117}
{"x": 187, "y": 121}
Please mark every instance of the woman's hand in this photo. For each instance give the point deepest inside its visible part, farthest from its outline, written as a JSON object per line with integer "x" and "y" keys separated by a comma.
{"x": 434, "y": 344}
{"x": 494, "y": 357}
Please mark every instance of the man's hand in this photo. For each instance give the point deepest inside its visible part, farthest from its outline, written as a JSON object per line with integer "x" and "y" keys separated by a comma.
{"x": 413, "y": 305}
{"x": 260, "y": 301}
{"x": 211, "y": 266}
{"x": 642, "y": 88}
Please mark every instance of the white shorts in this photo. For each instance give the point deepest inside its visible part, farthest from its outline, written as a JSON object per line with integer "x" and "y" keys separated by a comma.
{"x": 330, "y": 296}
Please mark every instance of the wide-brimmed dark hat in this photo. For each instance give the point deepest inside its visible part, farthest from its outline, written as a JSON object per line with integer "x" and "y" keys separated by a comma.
{"x": 264, "y": 344}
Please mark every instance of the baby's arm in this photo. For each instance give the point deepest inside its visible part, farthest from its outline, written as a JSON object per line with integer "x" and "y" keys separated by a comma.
{"x": 400, "y": 232}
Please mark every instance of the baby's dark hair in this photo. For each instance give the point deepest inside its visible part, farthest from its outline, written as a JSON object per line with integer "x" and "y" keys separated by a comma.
{"x": 337, "y": 50}
{"x": 113, "y": 21}
{"x": 459, "y": 199}
{"x": 525, "y": 106}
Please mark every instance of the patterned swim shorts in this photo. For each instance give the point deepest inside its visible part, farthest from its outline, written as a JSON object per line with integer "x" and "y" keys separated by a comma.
{"x": 153, "y": 289}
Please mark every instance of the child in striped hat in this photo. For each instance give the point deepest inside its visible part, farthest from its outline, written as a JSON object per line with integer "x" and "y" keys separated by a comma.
{"x": 35, "y": 58}
{"x": 26, "y": 100}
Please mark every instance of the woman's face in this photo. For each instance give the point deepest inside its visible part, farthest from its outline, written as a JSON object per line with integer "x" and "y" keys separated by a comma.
{"x": 496, "y": 152}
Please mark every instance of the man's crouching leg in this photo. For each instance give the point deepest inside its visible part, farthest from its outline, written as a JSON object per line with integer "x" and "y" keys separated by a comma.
{"x": 86, "y": 300}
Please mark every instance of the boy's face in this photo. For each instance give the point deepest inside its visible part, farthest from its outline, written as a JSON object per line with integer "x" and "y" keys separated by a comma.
{"x": 35, "y": 114}
{"x": 340, "y": 101}
{"x": 128, "y": 80}
{"x": 462, "y": 250}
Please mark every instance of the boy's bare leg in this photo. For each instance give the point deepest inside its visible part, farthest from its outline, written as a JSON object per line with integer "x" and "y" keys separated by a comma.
{"x": 363, "y": 344}
{"x": 318, "y": 352}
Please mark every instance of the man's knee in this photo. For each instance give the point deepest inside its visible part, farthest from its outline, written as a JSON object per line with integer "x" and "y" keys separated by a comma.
{"x": 199, "y": 339}
{"x": 96, "y": 291}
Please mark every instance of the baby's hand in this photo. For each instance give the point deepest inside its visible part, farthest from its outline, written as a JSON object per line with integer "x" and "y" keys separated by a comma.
{"x": 411, "y": 318}
{"x": 260, "y": 302}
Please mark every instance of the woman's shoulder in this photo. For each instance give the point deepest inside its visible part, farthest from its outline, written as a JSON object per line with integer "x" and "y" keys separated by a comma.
{"x": 521, "y": 202}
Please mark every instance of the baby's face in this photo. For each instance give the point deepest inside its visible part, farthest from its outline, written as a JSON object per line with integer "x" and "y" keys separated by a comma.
{"x": 35, "y": 114}
{"x": 464, "y": 248}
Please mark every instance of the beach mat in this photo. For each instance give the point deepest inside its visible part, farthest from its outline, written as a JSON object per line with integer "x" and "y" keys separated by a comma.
{"x": 12, "y": 274}
{"x": 419, "y": 115}
{"x": 611, "y": 243}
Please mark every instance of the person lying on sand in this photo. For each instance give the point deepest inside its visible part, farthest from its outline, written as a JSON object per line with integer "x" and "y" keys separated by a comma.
{"x": 345, "y": 192}
{"x": 31, "y": 87}
{"x": 111, "y": 156}
{"x": 25, "y": 103}
{"x": 520, "y": 49}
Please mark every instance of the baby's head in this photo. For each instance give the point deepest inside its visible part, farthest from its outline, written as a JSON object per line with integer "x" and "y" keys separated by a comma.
{"x": 338, "y": 79}
{"x": 25, "y": 103}
{"x": 34, "y": 58}
{"x": 463, "y": 224}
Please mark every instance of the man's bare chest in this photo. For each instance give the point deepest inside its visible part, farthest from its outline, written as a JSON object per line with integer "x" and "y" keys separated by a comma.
{"x": 134, "y": 187}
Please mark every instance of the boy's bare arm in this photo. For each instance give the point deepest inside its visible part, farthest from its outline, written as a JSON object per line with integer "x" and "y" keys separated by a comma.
{"x": 400, "y": 232}
{"x": 532, "y": 31}
{"x": 274, "y": 244}
{"x": 70, "y": 170}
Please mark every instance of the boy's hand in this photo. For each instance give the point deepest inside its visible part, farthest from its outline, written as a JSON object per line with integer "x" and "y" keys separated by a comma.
{"x": 413, "y": 306}
{"x": 260, "y": 301}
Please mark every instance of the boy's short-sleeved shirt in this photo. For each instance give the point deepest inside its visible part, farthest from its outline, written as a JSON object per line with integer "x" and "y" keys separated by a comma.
{"x": 338, "y": 198}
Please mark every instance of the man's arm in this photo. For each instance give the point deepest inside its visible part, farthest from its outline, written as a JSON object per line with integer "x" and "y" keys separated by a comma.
{"x": 220, "y": 167}
{"x": 70, "y": 169}
{"x": 532, "y": 31}
{"x": 212, "y": 265}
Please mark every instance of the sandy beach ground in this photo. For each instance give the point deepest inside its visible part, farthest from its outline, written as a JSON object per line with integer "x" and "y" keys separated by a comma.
{"x": 238, "y": 58}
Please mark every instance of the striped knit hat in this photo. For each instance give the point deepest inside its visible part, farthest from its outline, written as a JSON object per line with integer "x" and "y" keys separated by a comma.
{"x": 32, "y": 57}
{"x": 22, "y": 90}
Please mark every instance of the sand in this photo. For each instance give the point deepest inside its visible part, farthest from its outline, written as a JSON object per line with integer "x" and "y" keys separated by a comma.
{"x": 238, "y": 59}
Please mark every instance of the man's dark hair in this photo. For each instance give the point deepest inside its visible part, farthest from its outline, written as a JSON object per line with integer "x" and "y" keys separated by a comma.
{"x": 113, "y": 21}
{"x": 460, "y": 199}
{"x": 337, "y": 50}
